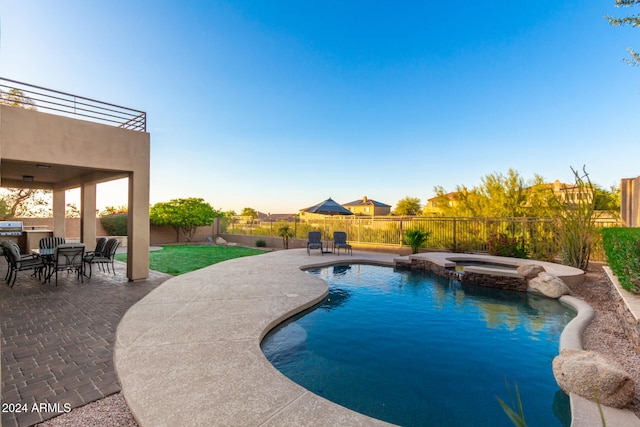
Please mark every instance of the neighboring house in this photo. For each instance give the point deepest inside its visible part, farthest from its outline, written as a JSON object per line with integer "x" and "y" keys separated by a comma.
{"x": 568, "y": 193}
{"x": 435, "y": 205}
{"x": 275, "y": 217}
{"x": 366, "y": 206}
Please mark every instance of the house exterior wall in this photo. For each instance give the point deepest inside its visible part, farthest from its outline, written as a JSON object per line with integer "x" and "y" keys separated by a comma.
{"x": 107, "y": 152}
{"x": 630, "y": 201}
{"x": 370, "y": 210}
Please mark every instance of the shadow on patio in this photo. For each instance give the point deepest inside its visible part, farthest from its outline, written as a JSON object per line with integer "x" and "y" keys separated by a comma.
{"x": 57, "y": 342}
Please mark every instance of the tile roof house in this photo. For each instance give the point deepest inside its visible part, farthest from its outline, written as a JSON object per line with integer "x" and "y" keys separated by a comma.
{"x": 366, "y": 206}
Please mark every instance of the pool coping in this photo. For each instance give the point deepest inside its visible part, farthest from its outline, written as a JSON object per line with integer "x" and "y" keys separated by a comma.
{"x": 189, "y": 352}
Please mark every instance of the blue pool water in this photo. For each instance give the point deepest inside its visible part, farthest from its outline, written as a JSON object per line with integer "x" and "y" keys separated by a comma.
{"x": 414, "y": 349}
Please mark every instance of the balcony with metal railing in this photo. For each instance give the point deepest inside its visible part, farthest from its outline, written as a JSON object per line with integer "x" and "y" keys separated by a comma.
{"x": 33, "y": 97}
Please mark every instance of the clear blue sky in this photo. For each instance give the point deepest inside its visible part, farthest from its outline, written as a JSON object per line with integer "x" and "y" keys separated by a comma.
{"x": 277, "y": 105}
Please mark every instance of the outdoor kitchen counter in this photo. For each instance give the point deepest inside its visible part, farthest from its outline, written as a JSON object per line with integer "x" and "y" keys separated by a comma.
{"x": 33, "y": 239}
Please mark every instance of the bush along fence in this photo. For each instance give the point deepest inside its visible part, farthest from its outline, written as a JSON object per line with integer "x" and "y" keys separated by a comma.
{"x": 534, "y": 237}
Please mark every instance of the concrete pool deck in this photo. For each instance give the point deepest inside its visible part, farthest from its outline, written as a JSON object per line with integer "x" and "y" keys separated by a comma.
{"x": 189, "y": 352}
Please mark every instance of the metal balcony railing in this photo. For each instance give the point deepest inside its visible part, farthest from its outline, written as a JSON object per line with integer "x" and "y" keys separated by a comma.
{"x": 48, "y": 100}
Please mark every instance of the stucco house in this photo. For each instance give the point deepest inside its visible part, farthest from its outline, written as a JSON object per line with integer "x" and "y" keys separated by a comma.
{"x": 56, "y": 141}
{"x": 630, "y": 201}
{"x": 366, "y": 206}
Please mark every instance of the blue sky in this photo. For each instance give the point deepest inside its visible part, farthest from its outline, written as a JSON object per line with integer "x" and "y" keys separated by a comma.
{"x": 277, "y": 105}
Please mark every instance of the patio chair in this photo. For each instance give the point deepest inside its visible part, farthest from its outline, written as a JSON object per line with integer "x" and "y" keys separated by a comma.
{"x": 340, "y": 242}
{"x": 3, "y": 244}
{"x": 314, "y": 241}
{"x": 51, "y": 242}
{"x": 69, "y": 257}
{"x": 105, "y": 258}
{"x": 17, "y": 262}
{"x": 101, "y": 244}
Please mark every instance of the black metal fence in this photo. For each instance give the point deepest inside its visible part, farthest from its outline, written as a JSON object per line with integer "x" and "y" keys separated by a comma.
{"x": 48, "y": 100}
{"x": 537, "y": 235}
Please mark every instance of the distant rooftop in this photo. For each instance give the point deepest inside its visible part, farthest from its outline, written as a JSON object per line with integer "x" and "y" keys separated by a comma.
{"x": 366, "y": 201}
{"x": 32, "y": 97}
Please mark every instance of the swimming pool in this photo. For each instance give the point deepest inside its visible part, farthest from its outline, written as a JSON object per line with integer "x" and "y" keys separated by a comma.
{"x": 415, "y": 349}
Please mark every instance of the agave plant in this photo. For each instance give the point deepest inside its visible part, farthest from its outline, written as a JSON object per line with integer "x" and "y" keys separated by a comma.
{"x": 415, "y": 238}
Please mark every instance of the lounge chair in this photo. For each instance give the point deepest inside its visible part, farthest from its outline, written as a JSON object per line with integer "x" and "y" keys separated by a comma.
{"x": 340, "y": 241}
{"x": 314, "y": 242}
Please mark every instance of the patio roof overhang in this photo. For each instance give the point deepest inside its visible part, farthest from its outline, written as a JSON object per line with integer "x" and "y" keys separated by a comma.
{"x": 47, "y": 176}
{"x": 58, "y": 152}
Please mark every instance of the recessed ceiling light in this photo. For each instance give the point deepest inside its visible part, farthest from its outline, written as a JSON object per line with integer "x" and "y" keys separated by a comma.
{"x": 27, "y": 178}
{"x": 42, "y": 166}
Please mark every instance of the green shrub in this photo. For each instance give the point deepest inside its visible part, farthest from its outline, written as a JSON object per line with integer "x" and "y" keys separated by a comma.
{"x": 622, "y": 249}
{"x": 415, "y": 238}
{"x": 261, "y": 243}
{"x": 115, "y": 225}
{"x": 502, "y": 245}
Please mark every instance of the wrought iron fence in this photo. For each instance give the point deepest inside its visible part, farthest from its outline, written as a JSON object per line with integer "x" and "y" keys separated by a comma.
{"x": 35, "y": 97}
{"x": 537, "y": 235}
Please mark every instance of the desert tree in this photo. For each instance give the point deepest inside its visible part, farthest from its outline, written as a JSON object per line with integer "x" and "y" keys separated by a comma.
{"x": 408, "y": 206}
{"x": 632, "y": 20}
{"x": 24, "y": 203}
{"x": 250, "y": 212}
{"x": 16, "y": 98}
{"x": 184, "y": 215}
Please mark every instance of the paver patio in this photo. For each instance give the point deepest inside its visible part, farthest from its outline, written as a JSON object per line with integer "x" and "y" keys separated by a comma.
{"x": 57, "y": 342}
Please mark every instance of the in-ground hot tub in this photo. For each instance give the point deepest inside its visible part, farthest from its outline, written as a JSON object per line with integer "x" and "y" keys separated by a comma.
{"x": 486, "y": 270}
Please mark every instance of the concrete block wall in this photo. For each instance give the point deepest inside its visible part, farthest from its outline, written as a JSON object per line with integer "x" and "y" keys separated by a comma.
{"x": 158, "y": 236}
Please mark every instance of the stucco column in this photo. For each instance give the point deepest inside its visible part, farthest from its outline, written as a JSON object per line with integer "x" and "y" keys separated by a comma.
{"x": 88, "y": 215}
{"x": 59, "y": 214}
{"x": 138, "y": 226}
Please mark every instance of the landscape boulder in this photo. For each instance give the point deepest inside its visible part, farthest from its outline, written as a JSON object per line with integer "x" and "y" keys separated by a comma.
{"x": 592, "y": 376}
{"x": 529, "y": 271}
{"x": 548, "y": 285}
{"x": 220, "y": 241}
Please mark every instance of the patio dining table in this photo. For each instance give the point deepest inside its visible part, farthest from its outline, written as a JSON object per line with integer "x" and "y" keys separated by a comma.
{"x": 48, "y": 257}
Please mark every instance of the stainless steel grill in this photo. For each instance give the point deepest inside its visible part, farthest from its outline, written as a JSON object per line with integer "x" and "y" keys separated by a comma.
{"x": 11, "y": 228}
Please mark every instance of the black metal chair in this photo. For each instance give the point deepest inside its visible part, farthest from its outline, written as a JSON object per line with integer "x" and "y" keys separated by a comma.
{"x": 101, "y": 244}
{"x": 106, "y": 257}
{"x": 69, "y": 257}
{"x": 340, "y": 242}
{"x": 51, "y": 242}
{"x": 314, "y": 241}
{"x": 17, "y": 262}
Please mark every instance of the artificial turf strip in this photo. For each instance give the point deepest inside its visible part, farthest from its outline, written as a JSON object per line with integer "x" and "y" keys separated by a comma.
{"x": 180, "y": 259}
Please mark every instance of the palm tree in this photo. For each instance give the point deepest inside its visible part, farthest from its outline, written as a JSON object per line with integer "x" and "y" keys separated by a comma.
{"x": 285, "y": 232}
{"x": 415, "y": 238}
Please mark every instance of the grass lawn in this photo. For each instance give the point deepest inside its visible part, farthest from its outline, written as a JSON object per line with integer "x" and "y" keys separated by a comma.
{"x": 180, "y": 259}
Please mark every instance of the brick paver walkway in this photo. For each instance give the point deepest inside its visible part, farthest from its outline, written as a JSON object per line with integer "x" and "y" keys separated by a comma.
{"x": 57, "y": 342}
